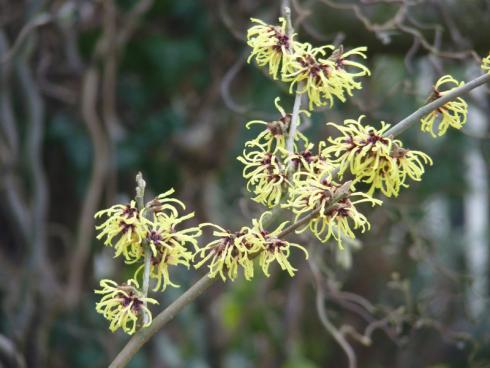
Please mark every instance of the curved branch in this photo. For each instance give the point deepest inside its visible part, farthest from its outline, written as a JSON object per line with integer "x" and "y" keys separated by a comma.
{"x": 40, "y": 20}
{"x": 9, "y": 185}
{"x": 34, "y": 107}
{"x": 100, "y": 140}
{"x": 94, "y": 190}
{"x": 336, "y": 334}
{"x": 143, "y": 335}
{"x": 286, "y": 13}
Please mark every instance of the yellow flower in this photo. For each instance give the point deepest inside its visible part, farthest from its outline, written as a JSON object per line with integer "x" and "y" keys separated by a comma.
{"x": 409, "y": 163}
{"x": 265, "y": 174}
{"x": 123, "y": 305}
{"x": 271, "y": 46}
{"x": 227, "y": 253}
{"x": 360, "y": 148}
{"x": 275, "y": 136}
{"x": 339, "y": 57}
{"x": 311, "y": 191}
{"x": 385, "y": 176}
{"x": 272, "y": 248}
{"x": 453, "y": 113}
{"x": 306, "y": 160}
{"x": 124, "y": 230}
{"x": 324, "y": 79}
{"x": 485, "y": 64}
{"x": 169, "y": 248}
{"x": 166, "y": 205}
{"x": 375, "y": 159}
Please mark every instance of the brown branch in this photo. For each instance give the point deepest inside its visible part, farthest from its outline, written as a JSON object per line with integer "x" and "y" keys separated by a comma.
{"x": 101, "y": 144}
{"x": 322, "y": 313}
{"x": 143, "y": 335}
{"x": 34, "y": 107}
{"x": 42, "y": 280}
{"x": 131, "y": 22}
{"x": 109, "y": 76}
{"x": 96, "y": 184}
{"x": 10, "y": 149}
{"x": 397, "y": 22}
{"x": 40, "y": 20}
{"x": 9, "y": 354}
{"x": 368, "y": 24}
{"x": 226, "y": 82}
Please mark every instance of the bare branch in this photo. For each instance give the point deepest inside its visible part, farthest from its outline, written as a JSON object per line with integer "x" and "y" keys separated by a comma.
{"x": 94, "y": 190}
{"x": 322, "y": 313}
{"x": 38, "y": 21}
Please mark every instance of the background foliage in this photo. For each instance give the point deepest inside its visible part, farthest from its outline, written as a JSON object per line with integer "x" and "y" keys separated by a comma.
{"x": 94, "y": 91}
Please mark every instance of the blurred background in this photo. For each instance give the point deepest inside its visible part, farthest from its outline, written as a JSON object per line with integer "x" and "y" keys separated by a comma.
{"x": 91, "y": 92}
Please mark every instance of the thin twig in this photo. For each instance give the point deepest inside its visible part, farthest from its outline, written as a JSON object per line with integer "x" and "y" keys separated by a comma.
{"x": 132, "y": 20}
{"x": 294, "y": 123}
{"x": 42, "y": 281}
{"x": 225, "y": 85}
{"x": 286, "y": 13}
{"x": 336, "y": 334}
{"x": 9, "y": 353}
{"x": 34, "y": 106}
{"x": 9, "y": 185}
{"x": 140, "y": 202}
{"x": 38, "y": 21}
{"x": 97, "y": 179}
{"x": 101, "y": 151}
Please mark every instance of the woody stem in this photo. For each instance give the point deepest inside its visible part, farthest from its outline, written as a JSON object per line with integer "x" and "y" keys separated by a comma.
{"x": 140, "y": 202}
{"x": 143, "y": 335}
{"x": 286, "y": 13}
{"x": 294, "y": 123}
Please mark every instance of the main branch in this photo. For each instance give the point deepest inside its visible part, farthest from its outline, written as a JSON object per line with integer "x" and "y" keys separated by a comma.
{"x": 143, "y": 335}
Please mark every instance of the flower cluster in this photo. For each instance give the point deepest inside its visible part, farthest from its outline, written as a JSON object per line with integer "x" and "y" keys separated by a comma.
{"x": 279, "y": 168}
{"x": 451, "y": 114}
{"x": 307, "y": 160}
{"x": 274, "y": 137}
{"x": 231, "y": 251}
{"x": 168, "y": 247}
{"x": 123, "y": 305}
{"x": 322, "y": 78}
{"x": 124, "y": 229}
{"x": 265, "y": 158}
{"x": 274, "y": 249}
{"x": 227, "y": 253}
{"x": 374, "y": 158}
{"x": 337, "y": 213}
{"x": 266, "y": 175}
{"x": 133, "y": 234}
{"x": 272, "y": 46}
{"x": 129, "y": 231}
{"x": 323, "y": 73}
{"x": 409, "y": 164}
{"x": 485, "y": 64}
